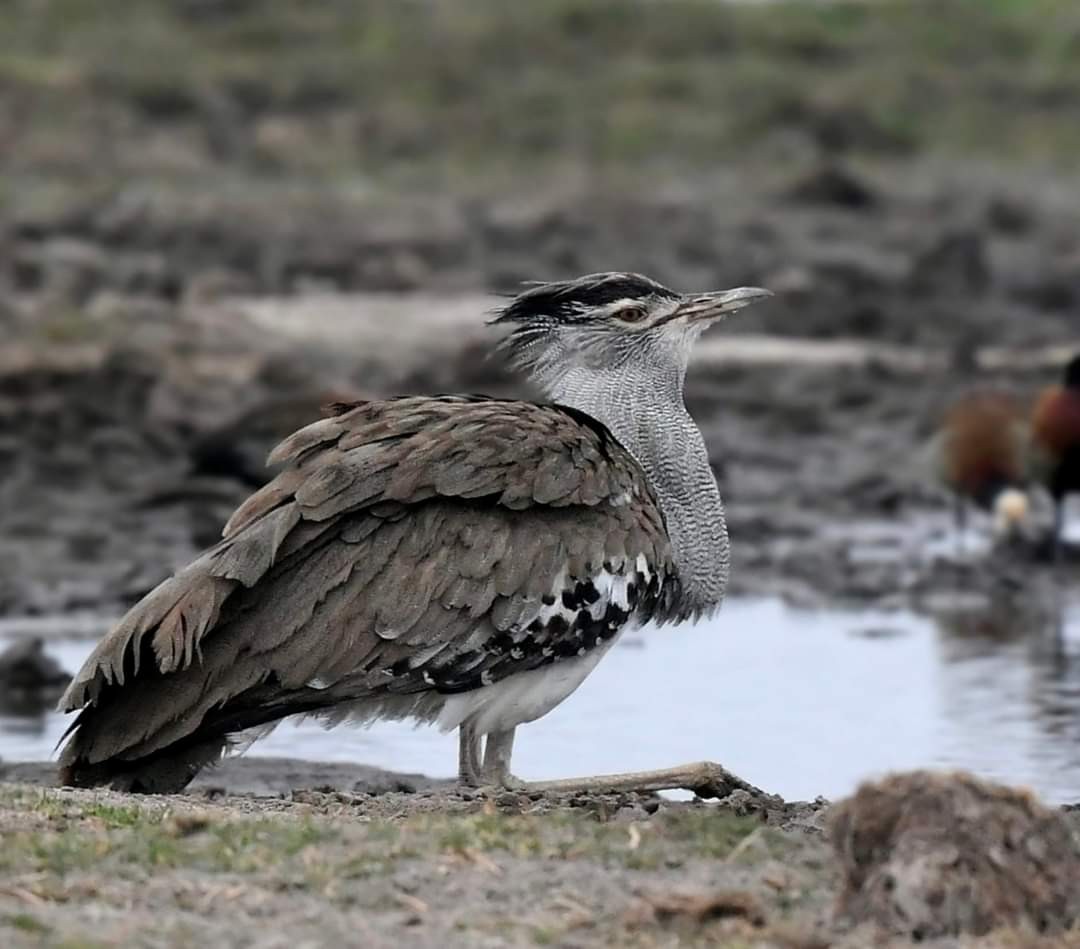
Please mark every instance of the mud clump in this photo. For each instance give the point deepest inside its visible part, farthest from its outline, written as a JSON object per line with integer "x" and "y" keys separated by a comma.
{"x": 834, "y": 185}
{"x": 926, "y": 855}
{"x": 26, "y": 666}
{"x": 30, "y": 680}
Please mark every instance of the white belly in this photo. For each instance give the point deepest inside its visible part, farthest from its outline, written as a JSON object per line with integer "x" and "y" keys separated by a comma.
{"x": 519, "y": 698}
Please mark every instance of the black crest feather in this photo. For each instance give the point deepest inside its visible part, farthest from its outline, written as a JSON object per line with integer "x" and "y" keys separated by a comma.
{"x": 564, "y": 299}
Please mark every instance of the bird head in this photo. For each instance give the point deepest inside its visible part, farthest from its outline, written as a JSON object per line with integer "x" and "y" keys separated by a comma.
{"x": 1072, "y": 373}
{"x": 602, "y": 322}
{"x": 1010, "y": 512}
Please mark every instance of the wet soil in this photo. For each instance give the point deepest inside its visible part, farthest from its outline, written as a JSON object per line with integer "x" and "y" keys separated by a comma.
{"x": 152, "y": 197}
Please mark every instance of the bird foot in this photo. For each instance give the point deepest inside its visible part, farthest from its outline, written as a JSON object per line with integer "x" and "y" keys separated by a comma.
{"x": 495, "y": 782}
{"x": 466, "y": 779}
{"x": 706, "y": 779}
{"x": 510, "y": 782}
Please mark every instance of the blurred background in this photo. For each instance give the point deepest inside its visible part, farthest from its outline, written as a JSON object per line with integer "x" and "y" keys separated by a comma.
{"x": 217, "y": 215}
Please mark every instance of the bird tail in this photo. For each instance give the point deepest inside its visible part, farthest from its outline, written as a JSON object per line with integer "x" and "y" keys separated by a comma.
{"x": 163, "y": 773}
{"x": 163, "y": 691}
{"x": 165, "y": 761}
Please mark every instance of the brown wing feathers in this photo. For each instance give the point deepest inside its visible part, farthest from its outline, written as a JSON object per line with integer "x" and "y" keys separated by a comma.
{"x": 984, "y": 443}
{"x": 389, "y": 556}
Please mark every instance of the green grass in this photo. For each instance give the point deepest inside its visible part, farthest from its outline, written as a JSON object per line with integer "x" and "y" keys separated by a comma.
{"x": 25, "y": 922}
{"x": 74, "y": 838}
{"x": 69, "y": 854}
{"x": 244, "y": 847}
{"x": 707, "y": 833}
{"x": 60, "y": 837}
{"x": 384, "y": 89}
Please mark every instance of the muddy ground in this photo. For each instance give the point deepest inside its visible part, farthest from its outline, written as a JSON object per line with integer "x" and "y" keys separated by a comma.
{"x": 124, "y": 453}
{"x": 177, "y": 227}
{"x": 124, "y": 450}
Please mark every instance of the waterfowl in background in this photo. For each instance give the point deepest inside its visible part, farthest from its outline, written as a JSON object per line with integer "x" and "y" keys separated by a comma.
{"x": 1055, "y": 443}
{"x": 980, "y": 456}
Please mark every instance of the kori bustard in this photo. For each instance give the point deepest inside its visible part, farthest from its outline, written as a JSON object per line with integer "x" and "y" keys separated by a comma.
{"x": 459, "y": 560}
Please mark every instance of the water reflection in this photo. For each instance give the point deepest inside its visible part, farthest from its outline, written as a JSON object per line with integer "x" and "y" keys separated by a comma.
{"x": 802, "y": 703}
{"x": 31, "y": 683}
{"x": 981, "y": 625}
{"x": 27, "y": 709}
{"x": 1011, "y": 687}
{"x": 25, "y": 721}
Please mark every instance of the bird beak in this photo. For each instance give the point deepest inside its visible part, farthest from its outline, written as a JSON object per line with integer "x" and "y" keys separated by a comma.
{"x": 719, "y": 303}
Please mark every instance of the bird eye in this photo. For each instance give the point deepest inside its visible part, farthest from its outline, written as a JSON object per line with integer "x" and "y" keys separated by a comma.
{"x": 632, "y": 314}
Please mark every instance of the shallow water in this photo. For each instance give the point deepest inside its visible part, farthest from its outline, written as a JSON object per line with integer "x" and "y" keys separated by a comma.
{"x": 800, "y": 703}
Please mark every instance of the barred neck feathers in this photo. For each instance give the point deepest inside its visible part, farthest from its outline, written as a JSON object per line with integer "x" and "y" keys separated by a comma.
{"x": 616, "y": 346}
{"x": 642, "y": 403}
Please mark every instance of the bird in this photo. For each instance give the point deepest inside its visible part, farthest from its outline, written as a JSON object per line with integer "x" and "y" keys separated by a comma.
{"x": 980, "y": 455}
{"x": 458, "y": 560}
{"x": 1055, "y": 444}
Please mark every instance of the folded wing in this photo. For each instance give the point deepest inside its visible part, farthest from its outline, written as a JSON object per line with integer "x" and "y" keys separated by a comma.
{"x": 408, "y": 549}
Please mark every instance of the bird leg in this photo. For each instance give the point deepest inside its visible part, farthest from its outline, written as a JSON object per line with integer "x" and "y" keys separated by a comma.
{"x": 497, "y": 752}
{"x": 703, "y": 778}
{"x": 960, "y": 518}
{"x": 1059, "y": 527}
{"x": 469, "y": 769}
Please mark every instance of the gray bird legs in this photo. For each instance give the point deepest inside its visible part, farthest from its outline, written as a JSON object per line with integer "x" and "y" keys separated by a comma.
{"x": 703, "y": 778}
{"x": 495, "y": 768}
{"x": 469, "y": 756}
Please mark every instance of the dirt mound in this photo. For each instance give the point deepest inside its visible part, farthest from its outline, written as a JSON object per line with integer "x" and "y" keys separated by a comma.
{"x": 926, "y": 854}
